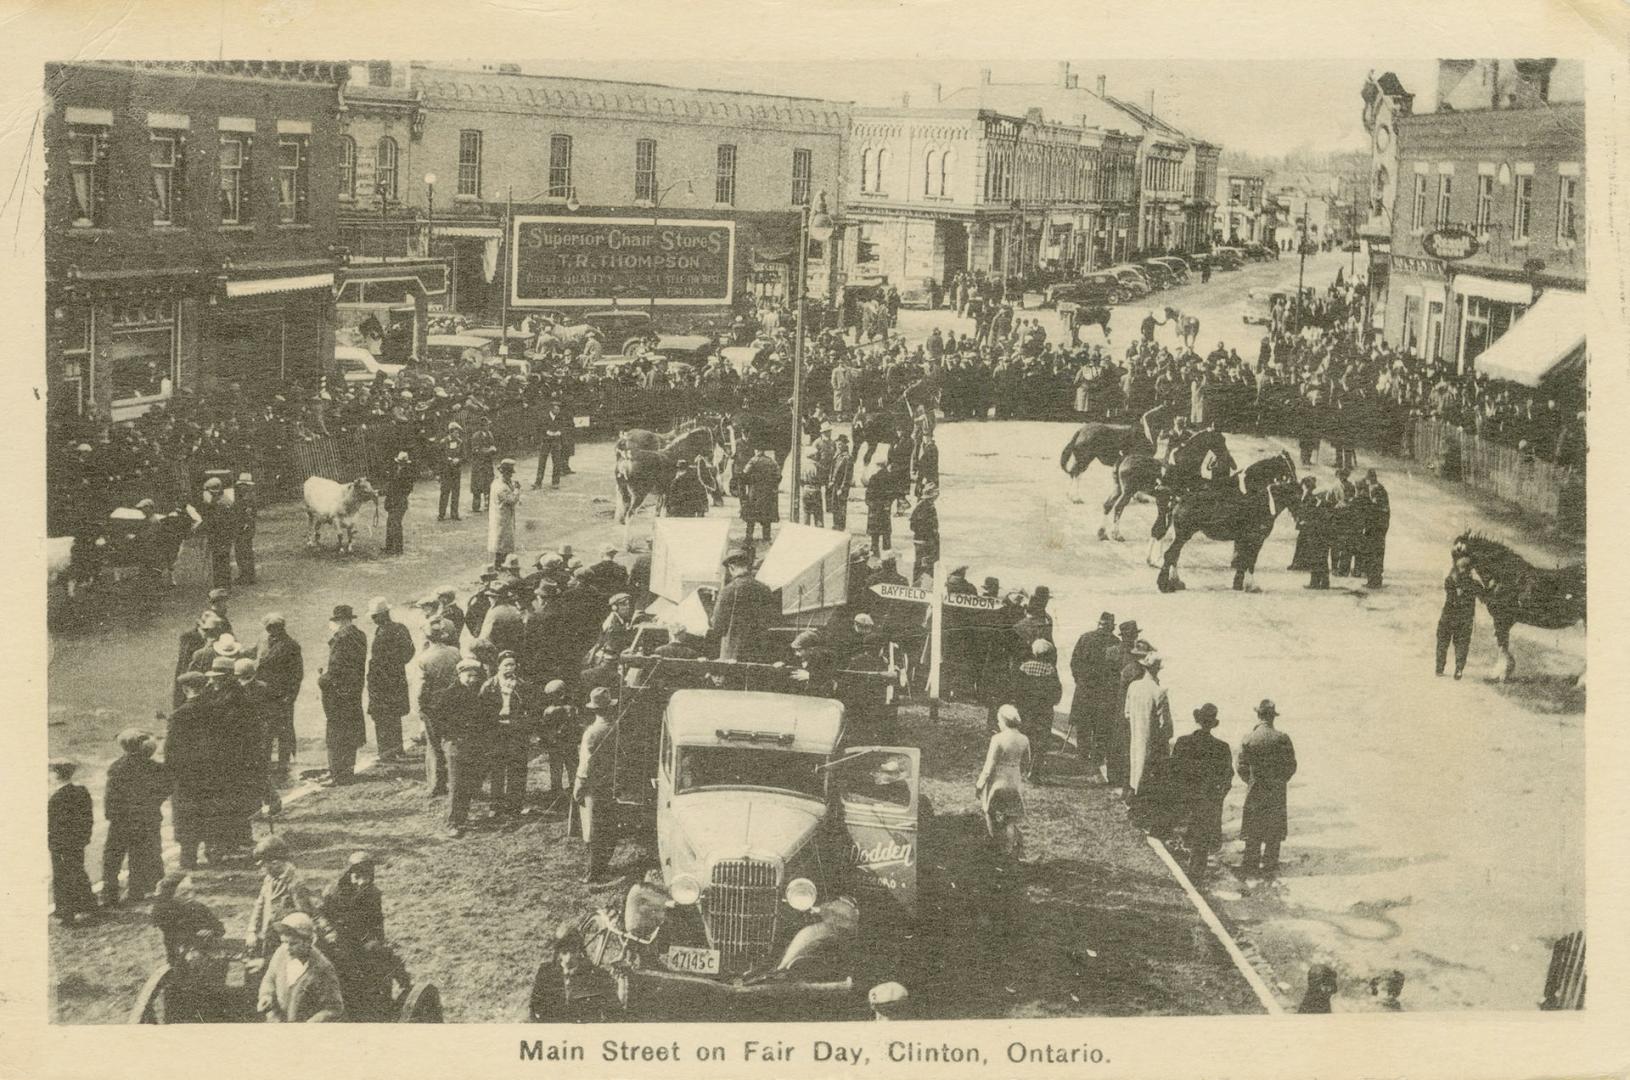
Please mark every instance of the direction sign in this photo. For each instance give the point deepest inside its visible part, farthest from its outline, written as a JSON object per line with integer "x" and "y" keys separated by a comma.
{"x": 902, "y": 592}
{"x": 977, "y": 603}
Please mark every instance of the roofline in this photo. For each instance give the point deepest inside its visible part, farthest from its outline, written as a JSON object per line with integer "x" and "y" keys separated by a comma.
{"x": 429, "y": 65}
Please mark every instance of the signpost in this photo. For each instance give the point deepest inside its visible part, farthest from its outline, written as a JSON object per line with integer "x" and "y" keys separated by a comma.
{"x": 575, "y": 260}
{"x": 939, "y": 600}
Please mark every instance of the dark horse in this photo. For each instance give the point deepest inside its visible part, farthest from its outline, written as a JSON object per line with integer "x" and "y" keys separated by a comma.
{"x": 1143, "y": 476}
{"x": 883, "y": 425}
{"x": 1107, "y": 443}
{"x": 1242, "y": 510}
{"x": 1515, "y": 591}
{"x": 643, "y": 473}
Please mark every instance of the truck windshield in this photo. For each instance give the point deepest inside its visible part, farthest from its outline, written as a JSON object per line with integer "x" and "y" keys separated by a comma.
{"x": 702, "y": 767}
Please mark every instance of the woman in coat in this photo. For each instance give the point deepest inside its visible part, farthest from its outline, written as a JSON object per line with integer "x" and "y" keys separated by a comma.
{"x": 1000, "y": 786}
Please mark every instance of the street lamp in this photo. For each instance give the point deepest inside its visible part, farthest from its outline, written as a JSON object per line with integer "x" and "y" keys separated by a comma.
{"x": 813, "y": 223}
{"x": 430, "y": 214}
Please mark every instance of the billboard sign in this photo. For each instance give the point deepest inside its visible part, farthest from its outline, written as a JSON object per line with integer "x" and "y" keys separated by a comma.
{"x": 1450, "y": 244}
{"x": 573, "y": 260}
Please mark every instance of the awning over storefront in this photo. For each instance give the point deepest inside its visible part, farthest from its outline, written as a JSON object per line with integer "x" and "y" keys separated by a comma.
{"x": 1549, "y": 336}
{"x": 1505, "y": 292}
{"x": 265, "y": 286}
{"x": 483, "y": 232}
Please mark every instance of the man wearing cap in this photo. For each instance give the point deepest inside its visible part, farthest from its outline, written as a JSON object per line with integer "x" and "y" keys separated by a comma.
{"x": 1201, "y": 772}
{"x": 466, "y": 730}
{"x": 133, "y": 803}
{"x": 300, "y": 985}
{"x": 438, "y": 671}
{"x": 745, "y": 610}
{"x": 483, "y": 451}
{"x": 191, "y": 754}
{"x": 506, "y": 497}
{"x": 398, "y": 486}
{"x": 282, "y": 670}
{"x": 281, "y": 894}
{"x": 341, "y": 681}
{"x": 504, "y": 625}
{"x": 202, "y": 634}
{"x": 925, "y": 533}
{"x": 840, "y": 481}
{"x": 1267, "y": 761}
{"x": 243, "y": 542}
{"x": 451, "y": 472}
{"x": 617, "y": 630}
{"x": 561, "y": 734}
{"x": 593, "y": 787}
{"x": 449, "y": 610}
{"x": 1034, "y": 688}
{"x": 513, "y": 703}
{"x": 220, "y": 531}
{"x": 481, "y": 601}
{"x": 608, "y": 575}
{"x": 354, "y": 911}
{"x": 1096, "y": 680}
{"x": 388, "y": 656}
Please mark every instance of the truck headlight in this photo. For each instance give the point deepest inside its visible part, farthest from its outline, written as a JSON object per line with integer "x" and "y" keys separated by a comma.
{"x": 800, "y": 894}
{"x": 685, "y": 889}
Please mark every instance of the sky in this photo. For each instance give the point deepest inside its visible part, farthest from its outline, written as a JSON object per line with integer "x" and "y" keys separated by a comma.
{"x": 1263, "y": 108}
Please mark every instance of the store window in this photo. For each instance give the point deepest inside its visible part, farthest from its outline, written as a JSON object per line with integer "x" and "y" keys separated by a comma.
{"x": 1485, "y": 323}
{"x": 724, "y": 176}
{"x": 1412, "y": 325}
{"x": 803, "y": 172}
{"x": 87, "y": 147}
{"x": 1522, "y": 214}
{"x": 348, "y": 167}
{"x": 469, "y": 163}
{"x": 645, "y": 170}
{"x": 293, "y": 168}
{"x": 167, "y": 160}
{"x": 385, "y": 158}
{"x": 74, "y": 388}
{"x": 142, "y": 351}
{"x": 560, "y": 166}
{"x": 234, "y": 158}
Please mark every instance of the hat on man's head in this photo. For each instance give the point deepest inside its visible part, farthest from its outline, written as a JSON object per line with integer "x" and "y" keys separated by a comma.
{"x": 864, "y": 621}
{"x": 191, "y": 678}
{"x": 1130, "y": 626}
{"x": 507, "y": 463}
{"x": 513, "y": 562}
{"x": 217, "y": 595}
{"x": 246, "y": 478}
{"x": 222, "y": 665}
{"x": 738, "y": 559}
{"x": 226, "y": 645}
{"x": 1206, "y": 715}
{"x": 600, "y": 699}
{"x": 342, "y": 613}
{"x": 619, "y": 598}
{"x": 298, "y": 924}
{"x": 1041, "y": 647}
{"x": 273, "y": 618}
{"x": 553, "y": 687}
{"x": 489, "y": 575}
{"x": 426, "y": 601}
{"x": 401, "y": 455}
{"x": 609, "y": 550}
{"x": 469, "y": 663}
{"x": 213, "y": 484}
{"x": 1107, "y": 619}
{"x": 993, "y": 583}
{"x": 805, "y": 641}
{"x": 1267, "y": 708}
{"x": 958, "y": 571}
{"x": 379, "y": 606}
{"x": 62, "y": 767}
{"x": 359, "y": 858}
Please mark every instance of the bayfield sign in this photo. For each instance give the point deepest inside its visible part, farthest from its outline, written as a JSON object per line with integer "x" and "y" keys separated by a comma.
{"x": 1450, "y": 244}
{"x": 591, "y": 260}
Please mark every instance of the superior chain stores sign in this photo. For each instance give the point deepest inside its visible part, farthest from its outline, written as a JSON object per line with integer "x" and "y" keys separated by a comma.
{"x": 594, "y": 260}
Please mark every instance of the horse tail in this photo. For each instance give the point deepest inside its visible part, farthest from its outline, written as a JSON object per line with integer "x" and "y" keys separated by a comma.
{"x": 1066, "y": 459}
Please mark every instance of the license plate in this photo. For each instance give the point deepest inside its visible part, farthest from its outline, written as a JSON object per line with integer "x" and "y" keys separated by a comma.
{"x": 692, "y": 961}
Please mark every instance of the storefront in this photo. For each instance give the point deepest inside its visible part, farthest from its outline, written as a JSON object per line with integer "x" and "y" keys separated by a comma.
{"x": 385, "y": 307}
{"x": 1418, "y": 305}
{"x": 1487, "y": 308}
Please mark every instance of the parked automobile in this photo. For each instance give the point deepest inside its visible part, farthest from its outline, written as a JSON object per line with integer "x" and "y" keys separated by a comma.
{"x": 1158, "y": 273}
{"x": 1255, "y": 252}
{"x": 472, "y": 349}
{"x": 1227, "y": 258}
{"x": 1178, "y": 268}
{"x": 1132, "y": 280}
{"x": 358, "y": 365}
{"x": 1099, "y": 288}
{"x": 692, "y": 349}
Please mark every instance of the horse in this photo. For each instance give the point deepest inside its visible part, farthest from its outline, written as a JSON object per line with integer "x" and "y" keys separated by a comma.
{"x": 1515, "y": 591}
{"x": 1225, "y": 512}
{"x": 1188, "y": 327}
{"x": 642, "y": 473}
{"x": 1108, "y": 443}
{"x": 1083, "y": 316}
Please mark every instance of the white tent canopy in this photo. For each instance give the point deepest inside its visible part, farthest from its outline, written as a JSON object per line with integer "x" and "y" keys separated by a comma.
{"x": 686, "y": 554}
{"x": 1548, "y": 334}
{"x": 810, "y": 566}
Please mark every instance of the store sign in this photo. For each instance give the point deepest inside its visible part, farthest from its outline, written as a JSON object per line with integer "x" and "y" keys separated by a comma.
{"x": 1414, "y": 264}
{"x": 592, "y": 260}
{"x": 1450, "y": 244}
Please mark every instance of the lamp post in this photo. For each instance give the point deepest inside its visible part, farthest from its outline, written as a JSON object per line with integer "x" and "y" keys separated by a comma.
{"x": 813, "y": 222}
{"x": 430, "y": 214}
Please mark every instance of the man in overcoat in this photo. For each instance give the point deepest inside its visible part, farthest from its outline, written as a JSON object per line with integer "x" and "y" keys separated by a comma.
{"x": 391, "y": 652}
{"x": 1267, "y": 761}
{"x": 341, "y": 682}
{"x": 1095, "y": 687}
{"x": 746, "y": 608}
{"x": 593, "y": 789}
{"x": 761, "y": 493}
{"x": 1201, "y": 772}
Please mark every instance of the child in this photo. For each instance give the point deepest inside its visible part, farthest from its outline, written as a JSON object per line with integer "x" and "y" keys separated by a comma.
{"x": 69, "y": 820}
{"x": 133, "y": 804}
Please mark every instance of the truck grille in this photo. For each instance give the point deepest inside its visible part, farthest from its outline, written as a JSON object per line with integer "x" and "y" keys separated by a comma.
{"x": 741, "y": 909}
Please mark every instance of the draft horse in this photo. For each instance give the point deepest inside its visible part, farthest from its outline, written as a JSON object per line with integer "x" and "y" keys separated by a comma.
{"x": 643, "y": 473}
{"x": 1243, "y": 511}
{"x": 1108, "y": 443}
{"x": 1516, "y": 591}
{"x": 1188, "y": 327}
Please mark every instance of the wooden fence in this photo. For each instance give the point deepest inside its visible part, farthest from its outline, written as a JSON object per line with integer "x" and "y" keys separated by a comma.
{"x": 1554, "y": 492}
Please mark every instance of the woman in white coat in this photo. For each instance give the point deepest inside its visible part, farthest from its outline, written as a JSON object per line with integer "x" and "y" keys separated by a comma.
{"x": 1001, "y": 782}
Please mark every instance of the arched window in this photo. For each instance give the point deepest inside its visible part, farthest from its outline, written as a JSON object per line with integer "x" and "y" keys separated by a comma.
{"x": 882, "y": 162}
{"x": 865, "y": 169}
{"x": 348, "y": 167}
{"x": 385, "y": 167}
{"x": 945, "y": 174}
{"x": 928, "y": 173}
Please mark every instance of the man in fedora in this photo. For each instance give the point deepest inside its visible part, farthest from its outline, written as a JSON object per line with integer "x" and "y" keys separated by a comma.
{"x": 593, "y": 787}
{"x": 1201, "y": 771}
{"x": 398, "y": 486}
{"x": 745, "y": 609}
{"x": 506, "y": 497}
{"x": 341, "y": 682}
{"x": 243, "y": 543}
{"x": 388, "y": 658}
{"x": 1095, "y": 687}
{"x": 1267, "y": 761}
{"x": 1122, "y": 657}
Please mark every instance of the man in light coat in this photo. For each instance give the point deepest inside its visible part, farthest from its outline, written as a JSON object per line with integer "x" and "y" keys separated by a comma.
{"x": 300, "y": 985}
{"x": 593, "y": 789}
{"x": 506, "y": 496}
{"x": 1149, "y": 720}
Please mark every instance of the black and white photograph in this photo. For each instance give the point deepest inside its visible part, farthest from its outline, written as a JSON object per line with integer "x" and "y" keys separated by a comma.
{"x": 581, "y": 541}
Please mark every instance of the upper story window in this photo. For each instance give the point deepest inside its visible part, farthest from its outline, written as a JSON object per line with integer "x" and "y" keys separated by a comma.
{"x": 879, "y": 171}
{"x": 945, "y": 175}
{"x": 1417, "y": 220}
{"x": 560, "y": 166}
{"x": 87, "y": 149}
{"x": 724, "y": 175}
{"x": 1522, "y": 213}
{"x": 469, "y": 163}
{"x": 645, "y": 170}
{"x": 1567, "y": 210}
{"x": 348, "y": 167}
{"x": 1446, "y": 185}
{"x": 385, "y": 167}
{"x": 1485, "y": 202}
{"x": 234, "y": 161}
{"x": 293, "y": 179}
{"x": 803, "y": 173}
{"x": 930, "y": 172}
{"x": 168, "y": 159}
{"x": 865, "y": 170}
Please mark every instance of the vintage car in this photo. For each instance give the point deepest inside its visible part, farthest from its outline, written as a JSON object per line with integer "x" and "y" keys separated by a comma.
{"x": 786, "y": 857}
{"x": 1093, "y": 289}
{"x": 1227, "y": 258}
{"x": 1178, "y": 268}
{"x": 472, "y": 349}
{"x": 358, "y": 365}
{"x": 1133, "y": 281}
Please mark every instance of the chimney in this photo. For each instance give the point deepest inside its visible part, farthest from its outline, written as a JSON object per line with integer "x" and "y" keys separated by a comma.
{"x": 905, "y": 100}
{"x": 937, "y": 93}
{"x": 1064, "y": 73}
{"x": 984, "y": 76}
{"x": 1103, "y": 85}
{"x": 1075, "y": 81}
{"x": 1151, "y": 103}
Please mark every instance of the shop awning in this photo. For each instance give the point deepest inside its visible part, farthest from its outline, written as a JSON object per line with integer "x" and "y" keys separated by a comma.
{"x": 1549, "y": 336}
{"x": 1505, "y": 292}
{"x": 264, "y": 286}
{"x": 484, "y": 232}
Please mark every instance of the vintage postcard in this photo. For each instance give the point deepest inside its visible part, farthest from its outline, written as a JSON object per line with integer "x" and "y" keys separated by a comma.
{"x": 648, "y": 540}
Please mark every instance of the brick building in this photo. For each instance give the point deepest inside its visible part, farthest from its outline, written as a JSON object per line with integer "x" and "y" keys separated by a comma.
{"x": 1241, "y": 214}
{"x": 1488, "y": 232}
{"x": 936, "y": 191}
{"x": 500, "y": 141}
{"x": 190, "y": 222}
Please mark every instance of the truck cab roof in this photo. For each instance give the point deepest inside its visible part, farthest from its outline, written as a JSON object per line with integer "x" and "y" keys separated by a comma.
{"x": 792, "y": 722}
